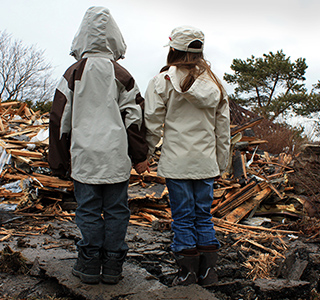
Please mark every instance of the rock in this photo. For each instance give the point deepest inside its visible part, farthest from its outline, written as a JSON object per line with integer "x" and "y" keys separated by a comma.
{"x": 282, "y": 289}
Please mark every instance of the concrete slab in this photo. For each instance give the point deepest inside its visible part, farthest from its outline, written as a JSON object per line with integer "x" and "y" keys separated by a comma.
{"x": 192, "y": 292}
{"x": 283, "y": 288}
{"x": 135, "y": 280}
{"x": 55, "y": 254}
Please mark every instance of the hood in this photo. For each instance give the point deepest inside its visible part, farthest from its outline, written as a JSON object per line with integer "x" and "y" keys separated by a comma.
{"x": 98, "y": 34}
{"x": 203, "y": 93}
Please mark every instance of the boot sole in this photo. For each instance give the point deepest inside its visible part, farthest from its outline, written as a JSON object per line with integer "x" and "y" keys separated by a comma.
{"x": 86, "y": 278}
{"x": 111, "y": 279}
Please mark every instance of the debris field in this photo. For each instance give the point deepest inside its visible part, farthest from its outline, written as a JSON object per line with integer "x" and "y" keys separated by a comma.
{"x": 265, "y": 210}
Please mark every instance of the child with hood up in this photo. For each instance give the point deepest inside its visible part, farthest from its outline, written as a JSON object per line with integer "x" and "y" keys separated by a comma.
{"x": 96, "y": 134}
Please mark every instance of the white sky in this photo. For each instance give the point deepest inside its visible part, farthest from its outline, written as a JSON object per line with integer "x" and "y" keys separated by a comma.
{"x": 232, "y": 28}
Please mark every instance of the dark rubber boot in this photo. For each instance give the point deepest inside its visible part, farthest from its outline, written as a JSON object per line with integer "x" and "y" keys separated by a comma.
{"x": 208, "y": 260}
{"x": 87, "y": 268}
{"x": 188, "y": 262}
{"x": 112, "y": 266}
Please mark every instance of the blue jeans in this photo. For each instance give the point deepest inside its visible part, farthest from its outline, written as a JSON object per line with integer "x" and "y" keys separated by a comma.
{"x": 102, "y": 216}
{"x": 190, "y": 202}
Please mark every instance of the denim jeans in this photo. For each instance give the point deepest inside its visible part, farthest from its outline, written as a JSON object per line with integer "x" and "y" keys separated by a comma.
{"x": 190, "y": 202}
{"x": 102, "y": 216}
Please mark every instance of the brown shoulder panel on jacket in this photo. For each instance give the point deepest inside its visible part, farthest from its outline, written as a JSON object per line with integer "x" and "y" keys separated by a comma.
{"x": 75, "y": 73}
{"x": 123, "y": 76}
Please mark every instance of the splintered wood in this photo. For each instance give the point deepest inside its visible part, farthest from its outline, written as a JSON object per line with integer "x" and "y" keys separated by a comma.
{"x": 263, "y": 247}
{"x": 251, "y": 180}
{"x": 149, "y": 210}
{"x": 260, "y": 266}
{"x": 27, "y": 184}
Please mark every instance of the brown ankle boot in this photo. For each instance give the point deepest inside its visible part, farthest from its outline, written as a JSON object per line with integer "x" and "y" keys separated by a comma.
{"x": 208, "y": 259}
{"x": 188, "y": 262}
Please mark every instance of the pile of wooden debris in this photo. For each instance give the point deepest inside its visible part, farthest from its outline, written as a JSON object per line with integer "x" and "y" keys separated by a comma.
{"x": 255, "y": 183}
{"x": 255, "y": 188}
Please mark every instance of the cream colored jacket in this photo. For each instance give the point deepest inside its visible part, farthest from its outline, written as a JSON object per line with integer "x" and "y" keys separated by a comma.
{"x": 196, "y": 131}
{"x": 96, "y": 114}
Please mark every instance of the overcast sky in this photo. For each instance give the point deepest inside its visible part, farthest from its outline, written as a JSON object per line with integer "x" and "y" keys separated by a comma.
{"x": 232, "y": 28}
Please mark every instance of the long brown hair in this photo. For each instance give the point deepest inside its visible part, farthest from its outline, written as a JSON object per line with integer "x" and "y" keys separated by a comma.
{"x": 194, "y": 63}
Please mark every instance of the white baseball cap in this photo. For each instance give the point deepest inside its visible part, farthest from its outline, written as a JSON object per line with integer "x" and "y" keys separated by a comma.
{"x": 181, "y": 37}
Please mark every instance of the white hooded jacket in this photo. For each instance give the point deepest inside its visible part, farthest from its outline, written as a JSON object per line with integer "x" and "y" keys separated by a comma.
{"x": 196, "y": 132}
{"x": 96, "y": 116}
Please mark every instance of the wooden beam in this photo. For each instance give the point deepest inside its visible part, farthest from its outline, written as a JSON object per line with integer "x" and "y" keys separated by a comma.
{"x": 25, "y": 153}
{"x": 232, "y": 197}
{"x": 242, "y": 210}
{"x": 247, "y": 125}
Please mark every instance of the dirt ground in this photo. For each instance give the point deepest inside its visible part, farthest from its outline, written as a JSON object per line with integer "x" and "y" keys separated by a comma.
{"x": 40, "y": 254}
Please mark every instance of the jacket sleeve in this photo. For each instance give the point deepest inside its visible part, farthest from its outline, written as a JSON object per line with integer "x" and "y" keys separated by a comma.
{"x": 131, "y": 106}
{"x": 222, "y": 131}
{"x": 59, "y": 131}
{"x": 132, "y": 114}
{"x": 155, "y": 113}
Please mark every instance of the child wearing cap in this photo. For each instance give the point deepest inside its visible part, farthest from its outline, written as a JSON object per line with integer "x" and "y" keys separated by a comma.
{"x": 189, "y": 104}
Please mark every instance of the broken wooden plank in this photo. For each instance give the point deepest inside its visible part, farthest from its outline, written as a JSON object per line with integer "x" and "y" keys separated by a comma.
{"x": 239, "y": 200}
{"x": 274, "y": 252}
{"x": 144, "y": 224}
{"x": 147, "y": 177}
{"x": 273, "y": 163}
{"x": 243, "y": 162}
{"x": 243, "y": 209}
{"x": 1, "y": 125}
{"x": 156, "y": 212}
{"x": 44, "y": 180}
{"x": 247, "y": 125}
{"x": 18, "y": 133}
{"x": 227, "y": 224}
{"x": 233, "y": 196}
{"x": 11, "y": 103}
{"x": 280, "y": 175}
{"x": 147, "y": 216}
{"x": 21, "y": 109}
{"x": 26, "y": 153}
{"x": 258, "y": 142}
{"x": 275, "y": 190}
{"x": 44, "y": 215}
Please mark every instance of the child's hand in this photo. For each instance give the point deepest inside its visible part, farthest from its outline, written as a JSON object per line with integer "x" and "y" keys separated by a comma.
{"x": 142, "y": 167}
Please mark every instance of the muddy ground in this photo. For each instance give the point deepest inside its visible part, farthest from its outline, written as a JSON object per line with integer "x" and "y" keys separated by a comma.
{"x": 48, "y": 245}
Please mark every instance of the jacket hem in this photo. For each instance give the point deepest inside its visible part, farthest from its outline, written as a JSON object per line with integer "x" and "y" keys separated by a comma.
{"x": 187, "y": 176}
{"x": 101, "y": 180}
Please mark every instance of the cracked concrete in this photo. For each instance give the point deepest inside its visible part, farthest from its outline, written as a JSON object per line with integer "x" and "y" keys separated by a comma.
{"x": 52, "y": 257}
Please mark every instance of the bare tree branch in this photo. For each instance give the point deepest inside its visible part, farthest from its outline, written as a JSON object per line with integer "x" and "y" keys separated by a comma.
{"x": 24, "y": 73}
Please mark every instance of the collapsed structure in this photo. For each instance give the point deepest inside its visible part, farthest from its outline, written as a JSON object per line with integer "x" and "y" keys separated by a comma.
{"x": 256, "y": 198}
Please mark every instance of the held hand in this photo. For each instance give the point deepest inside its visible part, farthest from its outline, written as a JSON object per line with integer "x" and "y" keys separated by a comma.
{"x": 142, "y": 167}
